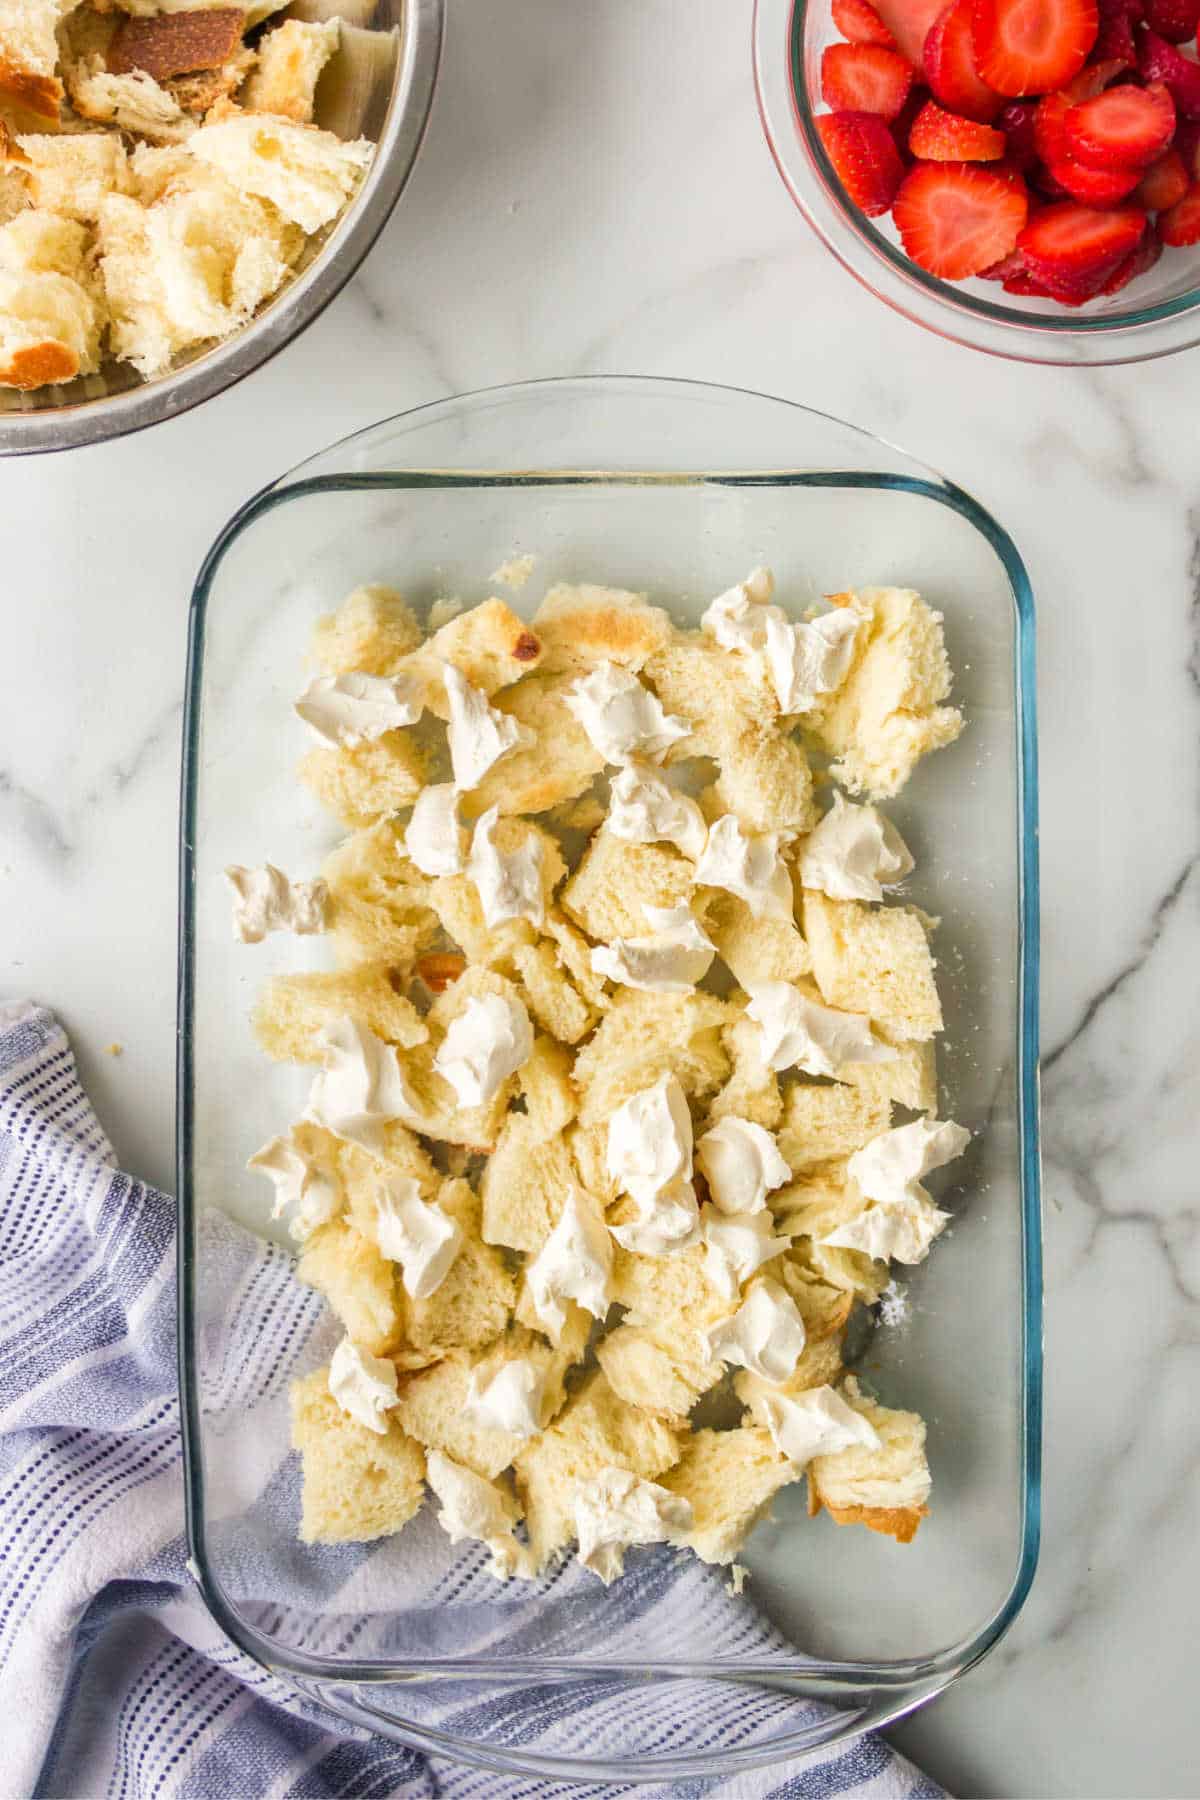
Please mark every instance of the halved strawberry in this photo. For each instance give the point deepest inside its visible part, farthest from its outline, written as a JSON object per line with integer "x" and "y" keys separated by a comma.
{"x": 1050, "y": 128}
{"x": 1137, "y": 263}
{"x": 909, "y": 22}
{"x": 1099, "y": 187}
{"x": 1160, "y": 61}
{"x": 1175, "y": 20}
{"x": 918, "y": 96}
{"x": 1033, "y": 46}
{"x": 865, "y": 78}
{"x": 1017, "y": 124}
{"x": 1181, "y": 223}
{"x": 950, "y": 65}
{"x": 1125, "y": 127}
{"x": 957, "y": 218}
{"x": 940, "y": 136}
{"x": 1115, "y": 42}
{"x": 864, "y": 154}
{"x": 1164, "y": 182}
{"x": 1094, "y": 77}
{"x": 1071, "y": 246}
{"x": 859, "y": 23}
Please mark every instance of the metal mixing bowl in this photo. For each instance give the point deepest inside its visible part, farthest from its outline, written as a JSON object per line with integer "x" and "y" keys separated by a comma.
{"x": 117, "y": 400}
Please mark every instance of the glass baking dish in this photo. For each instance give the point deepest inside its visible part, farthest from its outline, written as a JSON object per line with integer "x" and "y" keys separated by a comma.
{"x": 676, "y": 488}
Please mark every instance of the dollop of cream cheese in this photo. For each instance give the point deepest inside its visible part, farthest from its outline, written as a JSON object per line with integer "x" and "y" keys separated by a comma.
{"x": 616, "y": 1510}
{"x": 472, "y": 1508}
{"x": 735, "y": 1245}
{"x": 306, "y": 1190}
{"x": 902, "y": 1233}
{"x": 737, "y": 618}
{"x": 509, "y": 883}
{"x": 817, "y": 1422}
{"x": 479, "y": 734}
{"x": 621, "y": 717}
{"x": 750, "y": 867}
{"x": 644, "y": 809}
{"x": 668, "y": 1223}
{"x": 889, "y": 1169}
{"x": 511, "y": 1401}
{"x": 673, "y": 956}
{"x": 264, "y": 900}
{"x": 363, "y": 1385}
{"x": 808, "y": 658}
{"x": 650, "y": 1140}
{"x": 361, "y": 1086}
{"x": 574, "y": 1263}
{"x": 797, "y": 1032}
{"x": 343, "y": 711}
{"x": 434, "y": 839}
{"x": 416, "y": 1234}
{"x": 485, "y": 1044}
{"x": 854, "y": 853}
{"x": 741, "y": 1163}
{"x": 765, "y": 1335}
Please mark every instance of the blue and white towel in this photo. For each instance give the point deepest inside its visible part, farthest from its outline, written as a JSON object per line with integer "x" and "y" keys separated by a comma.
{"x": 116, "y": 1681}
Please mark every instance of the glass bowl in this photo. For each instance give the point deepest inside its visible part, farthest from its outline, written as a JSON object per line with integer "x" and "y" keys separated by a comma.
{"x": 390, "y": 105}
{"x": 1158, "y": 313}
{"x": 677, "y": 488}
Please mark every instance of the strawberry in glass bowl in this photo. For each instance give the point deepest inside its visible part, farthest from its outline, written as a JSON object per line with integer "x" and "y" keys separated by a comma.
{"x": 1021, "y": 175}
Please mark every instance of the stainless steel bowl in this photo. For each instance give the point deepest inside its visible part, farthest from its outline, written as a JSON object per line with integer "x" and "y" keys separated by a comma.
{"x": 118, "y": 400}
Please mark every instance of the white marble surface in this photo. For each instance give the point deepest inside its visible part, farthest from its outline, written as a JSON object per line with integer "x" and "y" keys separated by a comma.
{"x": 595, "y": 195}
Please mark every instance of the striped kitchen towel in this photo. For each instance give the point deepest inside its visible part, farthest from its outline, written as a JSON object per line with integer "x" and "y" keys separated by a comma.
{"x": 116, "y": 1680}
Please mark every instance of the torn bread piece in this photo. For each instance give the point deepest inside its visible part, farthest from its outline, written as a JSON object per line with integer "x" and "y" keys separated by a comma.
{"x": 663, "y": 1373}
{"x": 887, "y": 1488}
{"x": 29, "y": 54}
{"x": 50, "y": 322}
{"x": 583, "y": 627}
{"x": 71, "y": 173}
{"x": 528, "y": 780}
{"x": 378, "y": 910}
{"x": 359, "y": 1283}
{"x": 371, "y": 633}
{"x": 306, "y": 173}
{"x": 874, "y": 960}
{"x": 615, "y": 882}
{"x": 293, "y": 1011}
{"x": 729, "y": 1478}
{"x": 490, "y": 645}
{"x": 471, "y": 1307}
{"x": 888, "y": 712}
{"x": 357, "y": 1484}
{"x": 370, "y": 782}
{"x": 643, "y": 1036}
{"x": 291, "y": 57}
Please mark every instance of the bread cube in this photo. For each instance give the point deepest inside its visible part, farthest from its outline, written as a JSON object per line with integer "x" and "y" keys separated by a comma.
{"x": 369, "y": 782}
{"x": 433, "y": 1409}
{"x": 293, "y": 1010}
{"x": 766, "y": 782}
{"x": 553, "y": 1002}
{"x": 524, "y": 1186}
{"x": 885, "y": 1489}
{"x": 575, "y": 954}
{"x": 378, "y": 901}
{"x": 547, "y": 1088}
{"x": 357, "y": 1484}
{"x": 663, "y": 1373}
{"x": 560, "y": 763}
{"x": 615, "y": 882}
{"x": 372, "y": 631}
{"x": 490, "y": 645}
{"x": 812, "y": 1208}
{"x": 582, "y": 627}
{"x": 874, "y": 960}
{"x": 887, "y": 713}
{"x": 729, "y": 1478}
{"x": 306, "y": 173}
{"x": 358, "y": 1282}
{"x": 752, "y": 1091}
{"x": 753, "y": 949}
{"x": 69, "y": 173}
{"x": 643, "y": 1036}
{"x": 595, "y": 1430}
{"x": 668, "y": 1294}
{"x": 290, "y": 60}
{"x": 361, "y": 1172}
{"x": 720, "y": 695}
{"x": 455, "y": 898}
{"x": 909, "y": 1078}
{"x": 472, "y": 1305}
{"x": 822, "y": 1121}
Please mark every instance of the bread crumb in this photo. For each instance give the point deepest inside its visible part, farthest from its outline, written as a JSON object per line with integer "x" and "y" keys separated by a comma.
{"x": 114, "y": 1049}
{"x": 515, "y": 572}
{"x": 739, "y": 1575}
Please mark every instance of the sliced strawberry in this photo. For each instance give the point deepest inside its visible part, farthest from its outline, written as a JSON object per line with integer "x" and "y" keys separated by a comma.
{"x": 957, "y": 218}
{"x": 909, "y": 22}
{"x": 1187, "y": 142}
{"x": 859, "y": 23}
{"x": 1175, "y": 20}
{"x": 950, "y": 65}
{"x": 1164, "y": 182}
{"x": 1160, "y": 61}
{"x": 864, "y": 153}
{"x": 1033, "y": 46}
{"x": 1005, "y": 269}
{"x": 940, "y": 136}
{"x": 1125, "y": 127}
{"x": 1050, "y": 128}
{"x": 1017, "y": 124}
{"x": 1071, "y": 246}
{"x": 1099, "y": 187}
{"x": 918, "y": 96}
{"x": 1094, "y": 77}
{"x": 1115, "y": 41}
{"x": 1137, "y": 263}
{"x": 865, "y": 78}
{"x": 1181, "y": 223}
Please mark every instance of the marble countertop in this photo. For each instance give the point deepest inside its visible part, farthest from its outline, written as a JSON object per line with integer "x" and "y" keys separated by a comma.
{"x": 595, "y": 195}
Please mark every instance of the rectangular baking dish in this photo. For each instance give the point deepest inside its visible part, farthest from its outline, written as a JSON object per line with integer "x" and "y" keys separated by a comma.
{"x": 676, "y": 489}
